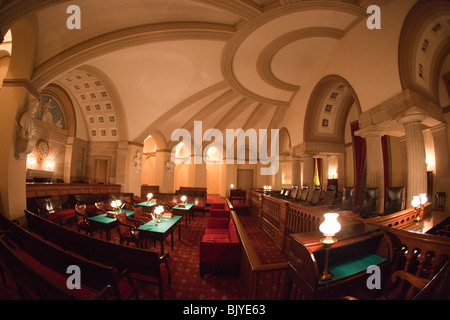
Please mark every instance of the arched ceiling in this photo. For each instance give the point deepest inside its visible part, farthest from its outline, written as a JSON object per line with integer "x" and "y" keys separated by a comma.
{"x": 232, "y": 64}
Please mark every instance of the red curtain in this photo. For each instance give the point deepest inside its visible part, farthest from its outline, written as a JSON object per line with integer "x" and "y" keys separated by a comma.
{"x": 359, "y": 149}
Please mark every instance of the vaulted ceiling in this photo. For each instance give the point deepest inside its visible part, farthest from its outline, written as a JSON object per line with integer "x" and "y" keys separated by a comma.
{"x": 141, "y": 67}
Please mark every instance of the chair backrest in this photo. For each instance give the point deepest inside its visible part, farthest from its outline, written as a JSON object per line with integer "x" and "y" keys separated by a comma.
{"x": 304, "y": 194}
{"x": 100, "y": 206}
{"x": 347, "y": 198}
{"x": 287, "y": 192}
{"x": 370, "y": 204}
{"x": 328, "y": 197}
{"x": 294, "y": 192}
{"x": 32, "y": 284}
{"x": 395, "y": 201}
{"x": 122, "y": 218}
{"x": 315, "y": 196}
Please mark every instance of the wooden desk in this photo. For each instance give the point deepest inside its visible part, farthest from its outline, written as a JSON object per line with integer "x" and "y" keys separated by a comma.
{"x": 160, "y": 231}
{"x": 147, "y": 206}
{"x": 358, "y": 247}
{"x": 187, "y": 211}
{"x": 106, "y": 223}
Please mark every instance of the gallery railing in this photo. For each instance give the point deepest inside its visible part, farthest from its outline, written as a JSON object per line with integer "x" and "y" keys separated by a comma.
{"x": 260, "y": 281}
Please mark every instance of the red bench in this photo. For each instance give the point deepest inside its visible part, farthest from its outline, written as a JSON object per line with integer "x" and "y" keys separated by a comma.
{"x": 220, "y": 248}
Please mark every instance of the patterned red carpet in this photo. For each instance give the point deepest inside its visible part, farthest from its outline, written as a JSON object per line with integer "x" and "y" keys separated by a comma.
{"x": 186, "y": 281}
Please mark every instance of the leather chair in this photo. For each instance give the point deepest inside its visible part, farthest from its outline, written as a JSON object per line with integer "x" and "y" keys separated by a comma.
{"x": 347, "y": 199}
{"x": 82, "y": 219}
{"x": 395, "y": 200}
{"x": 294, "y": 192}
{"x": 370, "y": 204}
{"x": 303, "y": 194}
{"x": 128, "y": 229}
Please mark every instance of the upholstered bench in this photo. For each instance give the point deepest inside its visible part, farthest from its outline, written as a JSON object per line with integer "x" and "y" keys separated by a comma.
{"x": 220, "y": 248}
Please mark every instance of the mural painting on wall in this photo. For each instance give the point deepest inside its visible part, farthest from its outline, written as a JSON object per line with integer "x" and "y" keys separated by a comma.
{"x": 51, "y": 112}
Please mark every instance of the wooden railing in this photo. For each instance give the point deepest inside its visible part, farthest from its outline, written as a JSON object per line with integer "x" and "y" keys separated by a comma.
{"x": 260, "y": 281}
{"x": 279, "y": 217}
{"x": 402, "y": 219}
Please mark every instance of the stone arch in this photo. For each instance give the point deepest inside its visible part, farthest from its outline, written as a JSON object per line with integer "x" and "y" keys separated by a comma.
{"x": 423, "y": 47}
{"x": 327, "y": 110}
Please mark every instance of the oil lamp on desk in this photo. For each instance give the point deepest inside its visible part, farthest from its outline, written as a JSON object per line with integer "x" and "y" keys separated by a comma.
{"x": 158, "y": 211}
{"x": 329, "y": 228}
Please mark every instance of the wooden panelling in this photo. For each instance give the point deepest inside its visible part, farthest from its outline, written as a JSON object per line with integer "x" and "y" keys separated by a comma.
{"x": 58, "y": 189}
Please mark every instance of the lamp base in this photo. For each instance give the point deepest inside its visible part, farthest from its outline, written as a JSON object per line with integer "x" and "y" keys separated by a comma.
{"x": 326, "y": 277}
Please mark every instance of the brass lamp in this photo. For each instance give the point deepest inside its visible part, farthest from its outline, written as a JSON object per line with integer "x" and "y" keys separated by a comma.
{"x": 114, "y": 205}
{"x": 149, "y": 197}
{"x": 183, "y": 199}
{"x": 329, "y": 228}
{"x": 158, "y": 211}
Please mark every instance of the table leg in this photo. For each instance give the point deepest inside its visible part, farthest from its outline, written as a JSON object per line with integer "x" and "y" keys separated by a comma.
{"x": 171, "y": 236}
{"x": 162, "y": 247}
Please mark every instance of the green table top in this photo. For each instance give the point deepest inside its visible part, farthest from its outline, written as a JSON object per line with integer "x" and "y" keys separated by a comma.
{"x": 187, "y": 206}
{"x": 162, "y": 227}
{"x": 147, "y": 204}
{"x": 351, "y": 267}
{"x": 103, "y": 218}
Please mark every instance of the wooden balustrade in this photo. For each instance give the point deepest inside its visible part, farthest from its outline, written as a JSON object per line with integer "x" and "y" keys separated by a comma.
{"x": 279, "y": 218}
{"x": 260, "y": 281}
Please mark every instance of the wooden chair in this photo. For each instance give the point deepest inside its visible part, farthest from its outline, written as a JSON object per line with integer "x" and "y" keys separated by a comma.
{"x": 141, "y": 215}
{"x": 128, "y": 229}
{"x": 82, "y": 219}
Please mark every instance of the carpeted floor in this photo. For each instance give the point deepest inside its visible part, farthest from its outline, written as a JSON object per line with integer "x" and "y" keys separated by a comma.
{"x": 186, "y": 281}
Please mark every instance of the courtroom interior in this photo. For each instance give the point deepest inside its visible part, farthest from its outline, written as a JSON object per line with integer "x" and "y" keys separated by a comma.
{"x": 211, "y": 150}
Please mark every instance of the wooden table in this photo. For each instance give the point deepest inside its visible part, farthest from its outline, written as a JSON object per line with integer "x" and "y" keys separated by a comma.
{"x": 160, "y": 231}
{"x": 187, "y": 210}
{"x": 147, "y": 206}
{"x": 106, "y": 223}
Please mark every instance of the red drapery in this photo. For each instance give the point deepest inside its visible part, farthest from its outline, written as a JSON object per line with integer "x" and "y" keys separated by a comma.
{"x": 359, "y": 149}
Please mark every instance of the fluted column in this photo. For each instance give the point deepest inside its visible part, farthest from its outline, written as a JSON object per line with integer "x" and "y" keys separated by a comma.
{"x": 374, "y": 161}
{"x": 415, "y": 156}
{"x": 296, "y": 174}
{"x": 442, "y": 164}
{"x": 308, "y": 171}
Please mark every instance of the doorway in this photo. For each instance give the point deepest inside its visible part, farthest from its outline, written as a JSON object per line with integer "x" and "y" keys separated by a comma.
{"x": 245, "y": 179}
{"x": 101, "y": 171}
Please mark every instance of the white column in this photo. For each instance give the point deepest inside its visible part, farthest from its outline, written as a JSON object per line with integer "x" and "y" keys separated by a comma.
{"x": 308, "y": 170}
{"x": 374, "y": 161}
{"x": 296, "y": 174}
{"x": 442, "y": 164}
{"x": 415, "y": 156}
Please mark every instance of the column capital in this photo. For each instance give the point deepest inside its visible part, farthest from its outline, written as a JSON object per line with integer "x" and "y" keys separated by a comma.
{"x": 373, "y": 131}
{"x": 415, "y": 117}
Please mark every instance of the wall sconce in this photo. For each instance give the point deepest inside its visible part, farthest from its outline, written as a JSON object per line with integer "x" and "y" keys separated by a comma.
{"x": 329, "y": 228}
{"x": 232, "y": 186}
{"x": 51, "y": 165}
{"x": 149, "y": 197}
{"x": 31, "y": 162}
